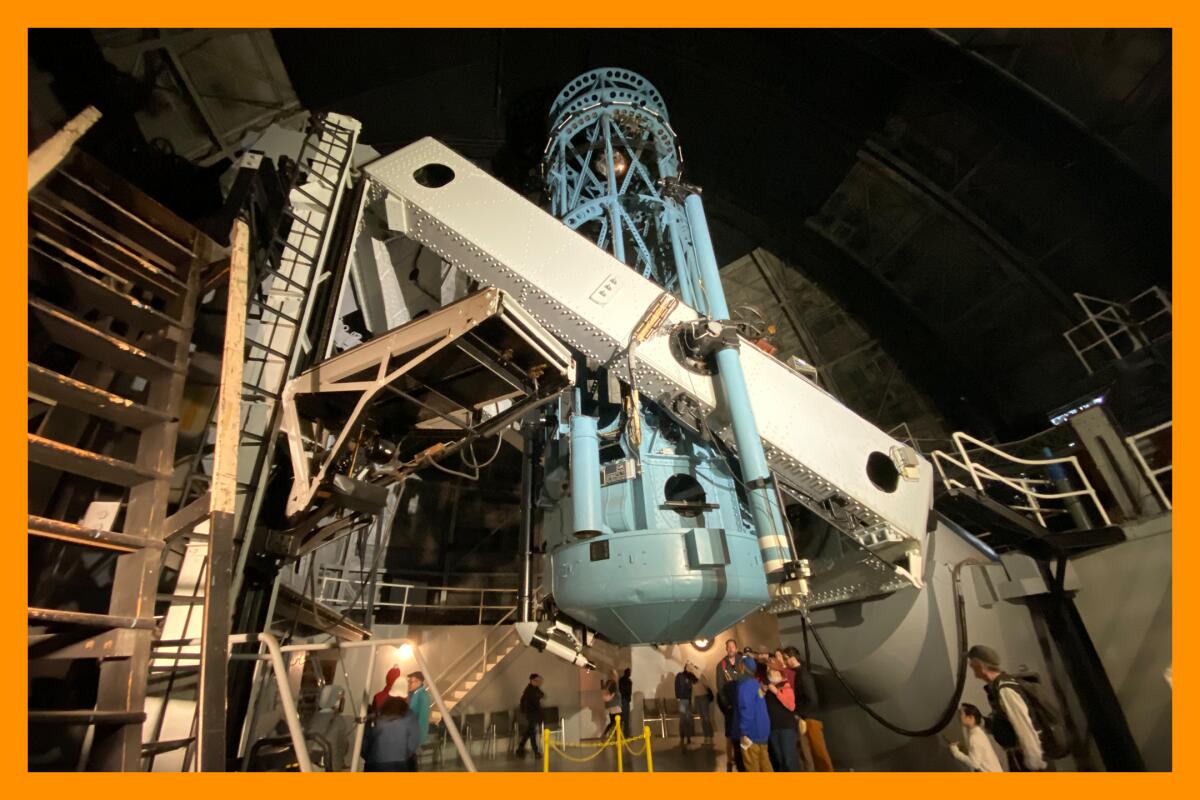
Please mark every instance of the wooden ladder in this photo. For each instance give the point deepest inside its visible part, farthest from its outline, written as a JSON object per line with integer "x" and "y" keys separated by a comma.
{"x": 114, "y": 278}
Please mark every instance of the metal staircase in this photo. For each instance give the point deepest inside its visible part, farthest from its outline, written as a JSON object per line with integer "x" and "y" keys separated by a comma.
{"x": 471, "y": 669}
{"x": 1022, "y": 524}
{"x": 114, "y": 280}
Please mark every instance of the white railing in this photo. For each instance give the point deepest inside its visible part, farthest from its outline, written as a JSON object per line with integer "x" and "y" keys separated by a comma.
{"x": 1113, "y": 326}
{"x": 489, "y": 600}
{"x": 1152, "y": 473}
{"x": 494, "y": 638}
{"x": 1022, "y": 486}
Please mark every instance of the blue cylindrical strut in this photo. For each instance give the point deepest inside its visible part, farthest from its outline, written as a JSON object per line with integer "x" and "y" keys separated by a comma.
{"x": 756, "y": 475}
{"x": 681, "y": 267}
{"x": 587, "y": 513}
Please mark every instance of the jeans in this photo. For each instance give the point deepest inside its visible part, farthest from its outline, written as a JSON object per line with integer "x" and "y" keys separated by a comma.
{"x": 532, "y": 732}
{"x": 625, "y": 716}
{"x": 685, "y": 718}
{"x": 781, "y": 747}
{"x": 388, "y": 766}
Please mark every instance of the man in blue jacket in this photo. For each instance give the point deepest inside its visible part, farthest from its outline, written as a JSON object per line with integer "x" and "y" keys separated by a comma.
{"x": 753, "y": 723}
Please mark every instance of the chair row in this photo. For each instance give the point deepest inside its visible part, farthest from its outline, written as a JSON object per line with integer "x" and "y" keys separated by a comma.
{"x": 664, "y": 711}
{"x": 488, "y": 727}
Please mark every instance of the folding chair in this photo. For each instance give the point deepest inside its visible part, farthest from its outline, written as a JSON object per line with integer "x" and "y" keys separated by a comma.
{"x": 554, "y": 721}
{"x": 501, "y": 724}
{"x": 670, "y": 711}
{"x": 652, "y": 714}
{"x": 472, "y": 729}
{"x": 433, "y": 744}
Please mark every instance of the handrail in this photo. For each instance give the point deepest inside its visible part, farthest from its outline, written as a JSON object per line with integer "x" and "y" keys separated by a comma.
{"x": 364, "y": 704}
{"x": 485, "y": 652}
{"x": 326, "y": 580}
{"x": 275, "y": 655}
{"x": 426, "y": 586}
{"x": 978, "y": 472}
{"x": 1151, "y": 474}
{"x": 486, "y": 634}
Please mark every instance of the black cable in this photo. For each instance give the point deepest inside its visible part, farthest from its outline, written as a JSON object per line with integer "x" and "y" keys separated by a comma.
{"x": 952, "y": 707}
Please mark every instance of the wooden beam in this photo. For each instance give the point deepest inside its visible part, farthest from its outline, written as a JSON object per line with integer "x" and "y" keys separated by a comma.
{"x": 88, "y": 464}
{"x": 229, "y": 398}
{"x": 89, "y": 341}
{"x": 88, "y": 537}
{"x": 188, "y": 517}
{"x": 43, "y": 160}
{"x": 75, "y": 394}
{"x": 210, "y": 745}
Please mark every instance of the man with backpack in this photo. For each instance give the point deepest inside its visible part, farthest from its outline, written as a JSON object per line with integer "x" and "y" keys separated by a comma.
{"x": 1023, "y": 721}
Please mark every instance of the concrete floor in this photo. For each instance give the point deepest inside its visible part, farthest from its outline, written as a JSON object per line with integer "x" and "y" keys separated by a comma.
{"x": 668, "y": 757}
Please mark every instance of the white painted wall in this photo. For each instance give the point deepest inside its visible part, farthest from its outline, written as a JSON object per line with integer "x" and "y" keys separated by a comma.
{"x": 900, "y": 654}
{"x": 1125, "y": 602}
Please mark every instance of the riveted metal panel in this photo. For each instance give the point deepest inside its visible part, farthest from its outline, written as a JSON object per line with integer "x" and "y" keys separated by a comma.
{"x": 593, "y": 303}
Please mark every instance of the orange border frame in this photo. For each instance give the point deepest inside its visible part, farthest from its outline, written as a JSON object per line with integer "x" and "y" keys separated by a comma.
{"x": 540, "y": 13}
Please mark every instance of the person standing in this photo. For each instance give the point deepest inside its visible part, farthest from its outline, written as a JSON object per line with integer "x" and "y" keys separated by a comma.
{"x": 753, "y": 724}
{"x": 418, "y": 703}
{"x": 684, "y": 681}
{"x": 703, "y": 698}
{"x": 729, "y": 669}
{"x": 531, "y": 711}
{"x": 392, "y": 742}
{"x": 1010, "y": 724}
{"x": 782, "y": 744}
{"x": 980, "y": 756}
{"x": 394, "y": 674}
{"x": 812, "y": 733}
{"x": 625, "y": 686}
{"x": 612, "y": 706}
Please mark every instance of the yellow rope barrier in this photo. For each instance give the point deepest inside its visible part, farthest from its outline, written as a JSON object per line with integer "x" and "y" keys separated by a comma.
{"x": 621, "y": 745}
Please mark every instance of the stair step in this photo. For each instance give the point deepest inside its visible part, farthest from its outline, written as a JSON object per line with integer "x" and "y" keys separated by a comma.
{"x": 84, "y": 397}
{"x": 88, "y": 716}
{"x": 87, "y": 464}
{"x": 88, "y": 537}
{"x": 94, "y": 343}
{"x": 165, "y": 746}
{"x": 76, "y": 240}
{"x": 52, "y": 615}
{"x": 92, "y": 293}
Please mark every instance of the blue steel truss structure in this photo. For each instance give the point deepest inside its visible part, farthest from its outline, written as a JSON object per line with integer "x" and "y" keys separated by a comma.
{"x": 654, "y": 533}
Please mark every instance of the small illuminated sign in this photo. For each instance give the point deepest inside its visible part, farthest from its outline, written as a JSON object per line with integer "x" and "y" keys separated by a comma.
{"x": 1066, "y": 415}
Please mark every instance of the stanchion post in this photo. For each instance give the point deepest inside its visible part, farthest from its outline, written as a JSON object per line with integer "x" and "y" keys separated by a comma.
{"x": 545, "y": 749}
{"x": 649, "y": 752}
{"x": 620, "y": 747}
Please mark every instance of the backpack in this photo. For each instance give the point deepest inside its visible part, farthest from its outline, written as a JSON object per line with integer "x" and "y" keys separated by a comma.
{"x": 1047, "y": 719}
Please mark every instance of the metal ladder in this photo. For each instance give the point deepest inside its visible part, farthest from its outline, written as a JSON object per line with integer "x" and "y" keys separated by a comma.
{"x": 113, "y": 290}
{"x": 278, "y": 307}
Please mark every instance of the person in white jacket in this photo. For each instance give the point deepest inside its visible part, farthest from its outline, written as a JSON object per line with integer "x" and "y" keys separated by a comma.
{"x": 980, "y": 756}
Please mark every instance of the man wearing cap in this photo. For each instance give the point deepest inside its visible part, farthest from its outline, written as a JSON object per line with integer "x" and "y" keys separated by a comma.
{"x": 1010, "y": 724}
